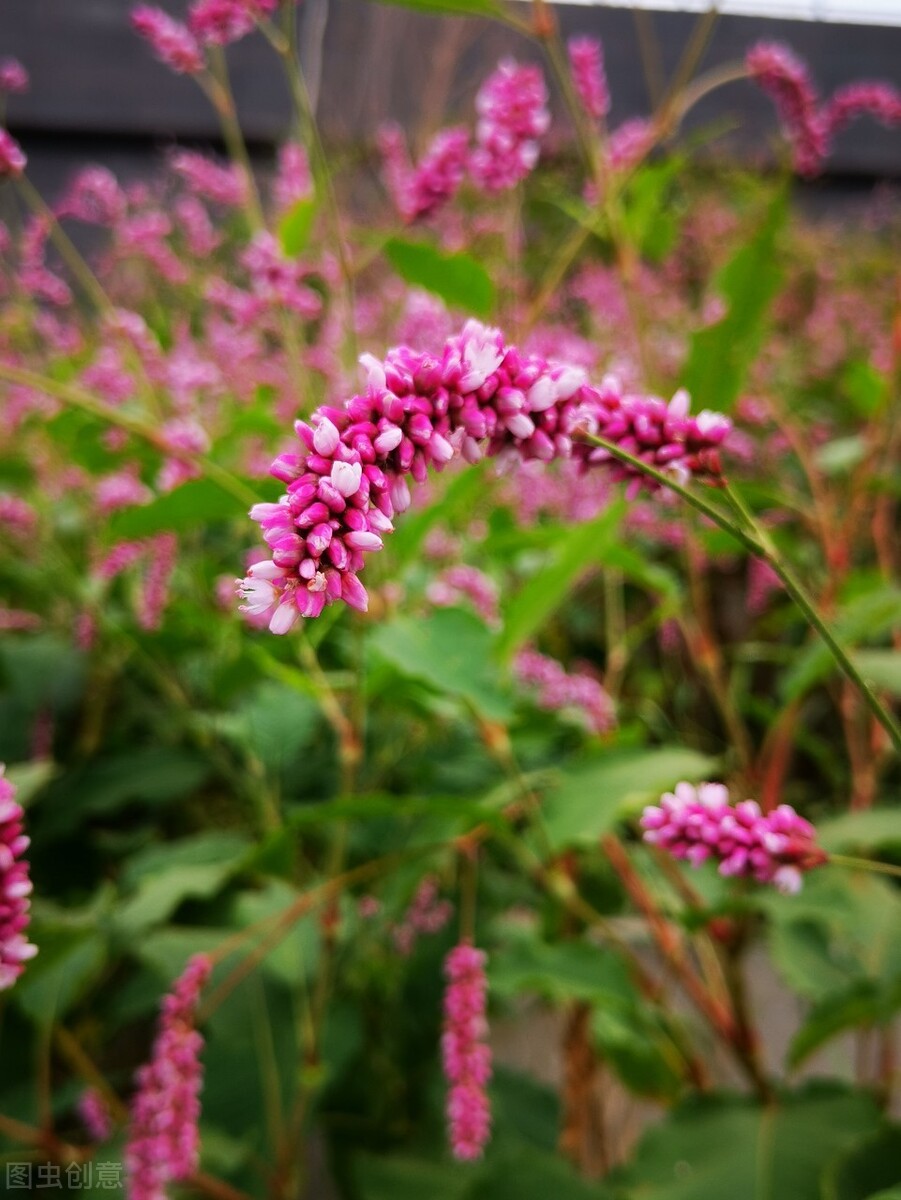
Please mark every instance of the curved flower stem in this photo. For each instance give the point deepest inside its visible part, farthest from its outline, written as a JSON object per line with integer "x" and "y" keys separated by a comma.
{"x": 77, "y": 398}
{"x": 749, "y": 533}
{"x": 864, "y": 864}
{"x": 218, "y": 89}
{"x": 767, "y": 550}
{"x": 71, "y": 256}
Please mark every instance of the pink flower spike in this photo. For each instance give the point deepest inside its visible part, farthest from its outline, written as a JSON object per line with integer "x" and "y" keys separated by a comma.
{"x": 695, "y": 824}
{"x": 466, "y": 1055}
{"x": 13, "y": 77}
{"x": 172, "y": 42}
{"x": 12, "y": 157}
{"x": 586, "y": 60}
{"x": 163, "y": 1141}
{"x": 15, "y": 887}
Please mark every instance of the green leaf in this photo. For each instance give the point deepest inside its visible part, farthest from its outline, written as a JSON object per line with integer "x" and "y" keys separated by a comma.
{"x": 275, "y": 721}
{"x": 295, "y": 227}
{"x": 395, "y": 1178}
{"x": 523, "y": 1172}
{"x": 150, "y": 775}
{"x": 458, "y": 279}
{"x": 450, "y": 650}
{"x": 199, "y": 502}
{"x": 559, "y": 972}
{"x": 865, "y": 1171}
{"x": 863, "y": 1003}
{"x": 877, "y": 827}
{"x": 28, "y": 778}
{"x": 460, "y": 8}
{"x": 167, "y": 951}
{"x": 865, "y": 387}
{"x": 881, "y": 669}
{"x": 594, "y": 796}
{"x": 721, "y": 354}
{"x": 721, "y": 1146}
{"x": 870, "y": 614}
{"x": 574, "y": 553}
{"x": 295, "y": 957}
{"x": 167, "y": 875}
{"x": 67, "y": 963}
{"x": 841, "y": 454}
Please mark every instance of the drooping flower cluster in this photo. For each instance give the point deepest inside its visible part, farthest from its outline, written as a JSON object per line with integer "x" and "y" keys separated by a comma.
{"x": 787, "y": 82}
{"x": 512, "y": 116}
{"x": 428, "y": 913}
{"x": 480, "y": 397}
{"x": 699, "y": 823}
{"x": 559, "y": 689}
{"x": 422, "y": 190}
{"x": 163, "y": 1141}
{"x": 878, "y": 100}
{"x": 15, "y": 887}
{"x": 586, "y": 60}
{"x": 465, "y": 1053}
{"x": 809, "y": 125}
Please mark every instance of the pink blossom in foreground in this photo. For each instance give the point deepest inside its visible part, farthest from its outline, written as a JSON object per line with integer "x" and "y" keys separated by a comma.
{"x": 586, "y": 60}
{"x": 878, "y": 100}
{"x": 699, "y": 823}
{"x": 12, "y": 157}
{"x": 559, "y": 689}
{"x": 422, "y": 190}
{"x": 351, "y": 473}
{"x": 171, "y": 41}
{"x": 13, "y": 77}
{"x": 15, "y": 887}
{"x": 787, "y": 82}
{"x": 163, "y": 1141}
{"x": 512, "y": 116}
{"x": 95, "y": 1115}
{"x": 465, "y": 1053}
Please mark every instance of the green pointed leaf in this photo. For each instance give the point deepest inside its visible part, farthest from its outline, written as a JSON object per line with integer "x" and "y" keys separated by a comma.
{"x": 721, "y": 1146}
{"x": 576, "y": 551}
{"x": 450, "y": 650}
{"x": 458, "y": 279}
{"x": 721, "y": 354}
{"x": 295, "y": 227}
{"x": 198, "y": 502}
{"x": 864, "y": 1003}
{"x": 868, "y": 1169}
{"x": 594, "y": 796}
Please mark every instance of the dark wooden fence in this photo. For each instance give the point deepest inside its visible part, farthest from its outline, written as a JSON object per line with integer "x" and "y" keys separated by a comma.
{"x": 98, "y": 93}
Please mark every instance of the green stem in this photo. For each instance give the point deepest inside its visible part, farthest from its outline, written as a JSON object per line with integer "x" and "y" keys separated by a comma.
{"x": 864, "y": 864}
{"x": 767, "y": 550}
{"x": 64, "y": 245}
{"x": 758, "y": 542}
{"x": 76, "y": 398}
{"x": 219, "y": 91}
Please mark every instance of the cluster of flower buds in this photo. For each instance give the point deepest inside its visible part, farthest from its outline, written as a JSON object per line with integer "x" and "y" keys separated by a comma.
{"x": 428, "y": 913}
{"x": 586, "y": 61}
{"x": 15, "y": 888}
{"x": 481, "y": 396}
{"x": 462, "y": 583}
{"x": 163, "y": 1140}
{"x": 465, "y": 1052}
{"x": 559, "y": 689}
{"x": 699, "y": 823}
{"x": 512, "y": 116}
{"x": 810, "y": 126}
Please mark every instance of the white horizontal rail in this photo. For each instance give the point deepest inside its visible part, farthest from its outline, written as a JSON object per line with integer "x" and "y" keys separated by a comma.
{"x": 850, "y": 12}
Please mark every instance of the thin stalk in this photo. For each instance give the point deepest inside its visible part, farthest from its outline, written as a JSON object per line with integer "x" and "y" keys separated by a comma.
{"x": 758, "y": 542}
{"x": 64, "y": 245}
{"x": 766, "y": 549}
{"x": 77, "y": 398}
{"x": 864, "y": 864}
{"x": 218, "y": 89}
